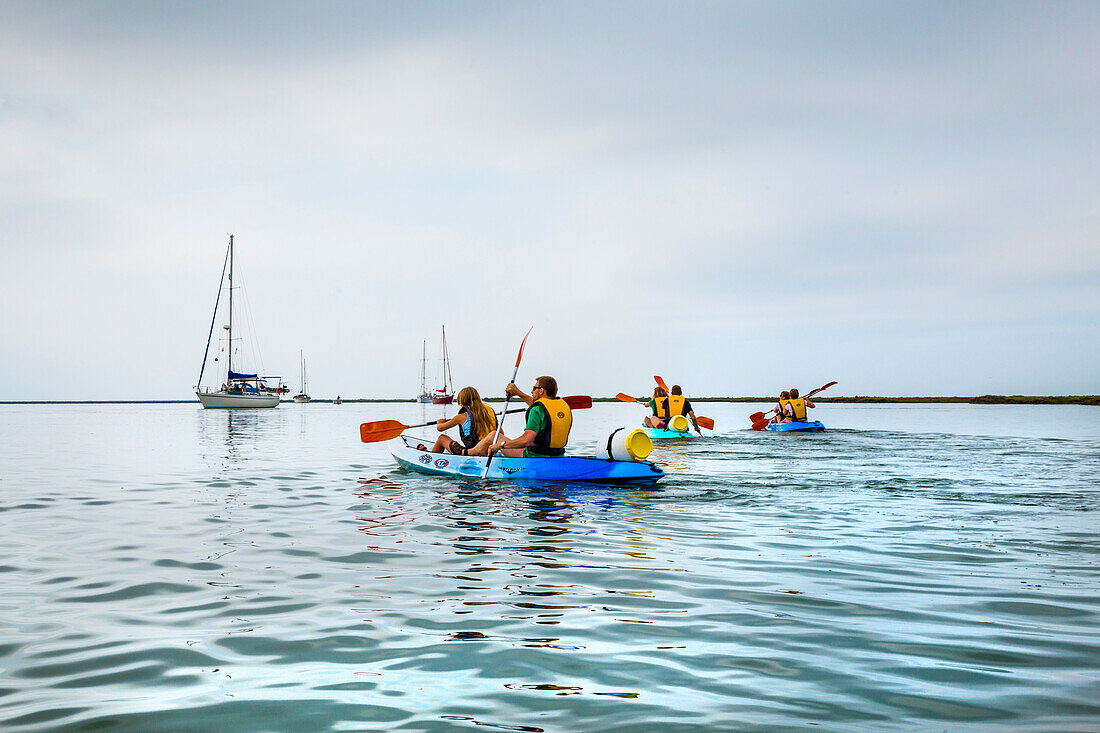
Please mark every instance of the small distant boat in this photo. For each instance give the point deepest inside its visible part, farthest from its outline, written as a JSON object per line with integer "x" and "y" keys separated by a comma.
{"x": 337, "y": 401}
{"x": 425, "y": 396}
{"x": 446, "y": 394}
{"x": 303, "y": 395}
{"x": 239, "y": 389}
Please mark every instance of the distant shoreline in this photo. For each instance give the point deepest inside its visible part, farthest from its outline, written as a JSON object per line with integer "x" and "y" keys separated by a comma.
{"x": 1093, "y": 400}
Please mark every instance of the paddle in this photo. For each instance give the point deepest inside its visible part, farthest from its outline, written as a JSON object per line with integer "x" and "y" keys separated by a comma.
{"x": 500, "y": 422}
{"x": 379, "y": 430}
{"x": 705, "y": 422}
{"x": 624, "y": 397}
{"x": 759, "y": 419}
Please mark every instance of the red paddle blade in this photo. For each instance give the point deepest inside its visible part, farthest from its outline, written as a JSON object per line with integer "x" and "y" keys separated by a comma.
{"x": 760, "y": 425}
{"x": 819, "y": 389}
{"x": 624, "y": 397}
{"x": 519, "y": 356}
{"x": 578, "y": 401}
{"x": 756, "y": 417}
{"x": 705, "y": 422}
{"x": 661, "y": 383}
{"x": 373, "y": 432}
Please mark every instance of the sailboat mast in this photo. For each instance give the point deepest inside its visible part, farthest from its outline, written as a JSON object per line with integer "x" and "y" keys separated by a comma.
{"x": 448, "y": 388}
{"x": 230, "y": 304}
{"x": 423, "y": 366}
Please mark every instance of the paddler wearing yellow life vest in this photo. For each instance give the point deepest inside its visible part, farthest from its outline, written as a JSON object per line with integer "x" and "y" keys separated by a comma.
{"x": 676, "y": 404}
{"x": 660, "y": 412}
{"x": 548, "y": 422}
{"x": 796, "y": 407}
{"x": 780, "y": 409}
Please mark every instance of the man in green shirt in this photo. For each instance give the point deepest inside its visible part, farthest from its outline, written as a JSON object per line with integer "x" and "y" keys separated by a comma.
{"x": 548, "y": 422}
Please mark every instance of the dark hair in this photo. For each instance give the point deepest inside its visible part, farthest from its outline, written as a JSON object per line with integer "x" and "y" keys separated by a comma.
{"x": 794, "y": 393}
{"x": 549, "y": 384}
{"x": 676, "y": 389}
{"x": 784, "y": 395}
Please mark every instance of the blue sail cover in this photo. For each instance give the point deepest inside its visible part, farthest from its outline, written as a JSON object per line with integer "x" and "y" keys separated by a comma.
{"x": 238, "y": 375}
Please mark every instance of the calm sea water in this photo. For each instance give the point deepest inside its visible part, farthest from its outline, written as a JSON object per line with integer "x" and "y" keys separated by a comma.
{"x": 166, "y": 568}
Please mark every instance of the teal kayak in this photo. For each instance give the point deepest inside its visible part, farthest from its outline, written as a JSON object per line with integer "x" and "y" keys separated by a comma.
{"x": 666, "y": 434}
{"x": 789, "y": 427}
{"x": 565, "y": 468}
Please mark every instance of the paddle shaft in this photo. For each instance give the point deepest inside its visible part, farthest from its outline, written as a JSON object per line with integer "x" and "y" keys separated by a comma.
{"x": 507, "y": 399}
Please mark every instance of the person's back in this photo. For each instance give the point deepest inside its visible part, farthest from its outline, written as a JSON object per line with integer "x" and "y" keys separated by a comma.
{"x": 659, "y": 408}
{"x": 782, "y": 412}
{"x": 798, "y": 406}
{"x": 677, "y": 405}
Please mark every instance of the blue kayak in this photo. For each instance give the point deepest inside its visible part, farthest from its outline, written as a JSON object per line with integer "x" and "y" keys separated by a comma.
{"x": 666, "y": 434}
{"x": 565, "y": 468}
{"x": 788, "y": 427}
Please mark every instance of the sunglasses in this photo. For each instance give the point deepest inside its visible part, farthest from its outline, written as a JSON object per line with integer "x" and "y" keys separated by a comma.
{"x": 535, "y": 387}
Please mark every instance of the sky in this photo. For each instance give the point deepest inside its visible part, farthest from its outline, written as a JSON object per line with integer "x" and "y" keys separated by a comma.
{"x": 741, "y": 197}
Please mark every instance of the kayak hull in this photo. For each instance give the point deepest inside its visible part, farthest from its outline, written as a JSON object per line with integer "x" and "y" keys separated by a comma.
{"x": 793, "y": 427}
{"x": 566, "y": 468}
{"x": 665, "y": 434}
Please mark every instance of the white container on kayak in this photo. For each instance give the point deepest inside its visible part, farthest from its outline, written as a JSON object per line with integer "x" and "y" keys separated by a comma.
{"x": 678, "y": 423}
{"x": 629, "y": 444}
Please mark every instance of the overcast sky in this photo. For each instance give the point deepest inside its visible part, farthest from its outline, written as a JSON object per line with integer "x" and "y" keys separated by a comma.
{"x": 741, "y": 197}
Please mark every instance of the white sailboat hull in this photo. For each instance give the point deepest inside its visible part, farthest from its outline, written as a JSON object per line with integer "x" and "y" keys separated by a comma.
{"x": 224, "y": 399}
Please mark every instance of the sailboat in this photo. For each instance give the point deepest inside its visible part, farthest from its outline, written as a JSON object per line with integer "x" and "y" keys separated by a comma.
{"x": 425, "y": 395}
{"x": 446, "y": 394}
{"x": 303, "y": 395}
{"x": 239, "y": 389}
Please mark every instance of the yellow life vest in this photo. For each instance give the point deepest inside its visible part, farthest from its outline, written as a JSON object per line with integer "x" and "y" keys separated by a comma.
{"x": 551, "y": 441}
{"x": 798, "y": 408}
{"x": 658, "y": 405}
{"x": 676, "y": 404}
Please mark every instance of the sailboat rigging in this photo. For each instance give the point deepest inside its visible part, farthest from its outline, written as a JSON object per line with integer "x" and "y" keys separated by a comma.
{"x": 239, "y": 389}
{"x": 424, "y": 395}
{"x": 445, "y": 394}
{"x": 303, "y": 395}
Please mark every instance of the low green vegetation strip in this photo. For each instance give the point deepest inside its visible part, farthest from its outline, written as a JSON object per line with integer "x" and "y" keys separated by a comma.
{"x": 986, "y": 399}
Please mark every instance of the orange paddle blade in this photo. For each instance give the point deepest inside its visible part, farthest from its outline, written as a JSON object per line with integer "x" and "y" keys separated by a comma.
{"x": 705, "y": 422}
{"x": 661, "y": 383}
{"x": 756, "y": 417}
{"x": 760, "y": 425}
{"x": 624, "y": 397}
{"x": 578, "y": 401}
{"x": 373, "y": 432}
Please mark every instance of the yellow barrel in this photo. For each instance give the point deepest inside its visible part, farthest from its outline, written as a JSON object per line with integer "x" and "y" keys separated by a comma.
{"x": 679, "y": 423}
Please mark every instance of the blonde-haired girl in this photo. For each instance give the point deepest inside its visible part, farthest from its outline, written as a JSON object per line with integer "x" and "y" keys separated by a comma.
{"x": 474, "y": 421}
